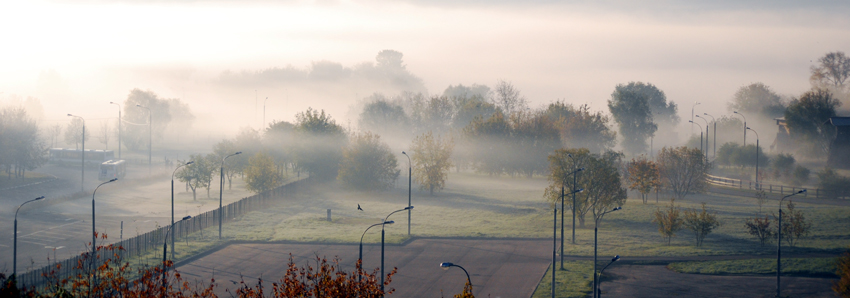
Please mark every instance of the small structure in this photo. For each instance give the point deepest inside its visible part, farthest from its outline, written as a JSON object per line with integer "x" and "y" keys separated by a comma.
{"x": 783, "y": 142}
{"x": 839, "y": 148}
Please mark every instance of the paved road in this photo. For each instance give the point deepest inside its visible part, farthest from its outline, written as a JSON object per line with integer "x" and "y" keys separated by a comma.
{"x": 498, "y": 268}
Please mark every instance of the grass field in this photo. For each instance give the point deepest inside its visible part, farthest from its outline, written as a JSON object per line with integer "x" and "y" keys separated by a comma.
{"x": 792, "y": 266}
{"x": 575, "y": 281}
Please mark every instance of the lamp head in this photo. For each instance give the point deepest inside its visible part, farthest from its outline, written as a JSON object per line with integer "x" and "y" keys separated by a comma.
{"x": 111, "y": 102}
{"x": 69, "y": 115}
{"x": 580, "y": 190}
{"x": 616, "y": 258}
{"x": 138, "y": 105}
{"x": 389, "y": 222}
{"x": 617, "y": 208}
{"x": 691, "y": 121}
{"x": 735, "y": 112}
{"x": 39, "y": 198}
{"x": 405, "y": 153}
{"x": 408, "y": 208}
{"x": 113, "y": 180}
{"x": 446, "y": 265}
{"x": 582, "y": 169}
{"x": 705, "y": 114}
{"x": 697, "y": 115}
{"x": 570, "y": 155}
{"x": 802, "y": 191}
{"x": 237, "y": 153}
{"x": 186, "y": 217}
{"x": 191, "y": 162}
{"x": 749, "y": 128}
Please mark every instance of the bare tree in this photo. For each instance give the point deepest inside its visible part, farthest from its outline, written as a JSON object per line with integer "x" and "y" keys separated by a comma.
{"x": 508, "y": 98}
{"x": 833, "y": 71}
{"x": 53, "y": 133}
{"x": 683, "y": 170}
{"x": 104, "y": 134}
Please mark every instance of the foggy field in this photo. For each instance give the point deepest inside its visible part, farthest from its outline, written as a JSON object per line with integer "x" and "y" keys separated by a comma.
{"x": 514, "y": 207}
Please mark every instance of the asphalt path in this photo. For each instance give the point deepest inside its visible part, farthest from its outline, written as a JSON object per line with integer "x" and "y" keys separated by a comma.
{"x": 497, "y": 268}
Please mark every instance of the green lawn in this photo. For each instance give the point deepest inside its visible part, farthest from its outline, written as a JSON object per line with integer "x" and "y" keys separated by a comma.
{"x": 792, "y": 266}
{"x": 575, "y": 281}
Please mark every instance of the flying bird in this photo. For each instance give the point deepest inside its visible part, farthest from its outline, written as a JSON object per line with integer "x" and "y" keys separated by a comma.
{"x": 358, "y": 207}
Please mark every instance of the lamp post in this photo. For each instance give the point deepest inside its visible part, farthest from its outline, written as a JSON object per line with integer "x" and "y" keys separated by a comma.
{"x": 700, "y": 134}
{"x": 713, "y": 143}
{"x": 150, "y": 135}
{"x": 83, "y": 165}
{"x": 574, "y": 191}
{"x": 165, "y": 252}
{"x": 15, "y": 245}
{"x": 757, "y": 157}
{"x": 574, "y": 203}
{"x": 595, "y": 232}
{"x": 264, "y": 114}
{"x": 554, "y": 245}
{"x": 409, "y": 189}
{"x": 172, "y": 203}
{"x": 119, "y": 128}
{"x": 447, "y": 265}
{"x": 745, "y": 126}
{"x": 779, "y": 242}
{"x": 383, "y": 233}
{"x": 221, "y": 192}
{"x": 94, "y": 233}
{"x": 692, "y": 114}
{"x": 598, "y": 291}
{"x": 360, "y": 258}
{"x": 706, "y": 135}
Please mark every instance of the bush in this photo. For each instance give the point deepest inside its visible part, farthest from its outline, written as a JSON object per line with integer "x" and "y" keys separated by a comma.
{"x": 669, "y": 221}
{"x": 782, "y": 165}
{"x": 733, "y": 154}
{"x": 701, "y": 223}
{"x": 801, "y": 175}
{"x": 760, "y": 228}
{"x": 832, "y": 184}
{"x": 842, "y": 285}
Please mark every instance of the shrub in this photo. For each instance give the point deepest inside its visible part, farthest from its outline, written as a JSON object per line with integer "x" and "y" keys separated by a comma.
{"x": 701, "y": 223}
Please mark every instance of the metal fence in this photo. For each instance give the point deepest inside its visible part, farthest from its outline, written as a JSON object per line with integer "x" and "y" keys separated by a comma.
{"x": 141, "y": 244}
{"x": 771, "y": 188}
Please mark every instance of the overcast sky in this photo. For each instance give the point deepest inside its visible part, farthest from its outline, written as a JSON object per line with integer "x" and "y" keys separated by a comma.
{"x": 576, "y": 51}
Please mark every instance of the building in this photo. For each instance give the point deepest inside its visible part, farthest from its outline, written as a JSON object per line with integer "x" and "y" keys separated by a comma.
{"x": 839, "y": 148}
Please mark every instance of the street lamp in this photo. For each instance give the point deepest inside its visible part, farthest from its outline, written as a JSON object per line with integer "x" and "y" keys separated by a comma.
{"x": 15, "y": 245}
{"x": 264, "y": 113}
{"x": 595, "y": 232}
{"x": 172, "y": 203}
{"x": 779, "y": 242}
{"x": 745, "y": 126}
{"x": 700, "y": 135}
{"x": 150, "y": 135}
{"x": 360, "y": 258}
{"x": 83, "y": 166}
{"x": 598, "y": 291}
{"x": 714, "y": 143}
{"x": 409, "y": 189}
{"x": 692, "y": 114}
{"x": 447, "y": 265}
{"x": 94, "y": 234}
{"x": 221, "y": 192}
{"x": 165, "y": 252}
{"x": 574, "y": 204}
{"x": 574, "y": 191}
{"x": 706, "y": 135}
{"x": 119, "y": 128}
{"x": 383, "y": 233}
{"x": 757, "y": 157}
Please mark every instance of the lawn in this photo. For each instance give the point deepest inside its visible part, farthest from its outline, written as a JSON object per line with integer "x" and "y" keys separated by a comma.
{"x": 791, "y": 266}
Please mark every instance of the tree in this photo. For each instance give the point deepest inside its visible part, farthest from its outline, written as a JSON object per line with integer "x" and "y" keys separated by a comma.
{"x": 74, "y": 132}
{"x": 669, "y": 222}
{"x": 368, "y": 164}
{"x": 430, "y": 156}
{"x": 807, "y": 117}
{"x": 833, "y": 71}
{"x": 761, "y": 198}
{"x": 196, "y": 175}
{"x": 488, "y": 138}
{"x": 508, "y": 98}
{"x": 135, "y": 132}
{"x": 221, "y": 150}
{"x": 757, "y": 98}
{"x": 794, "y": 224}
{"x": 600, "y": 180}
{"x": 683, "y": 170}
{"x": 384, "y": 118}
{"x": 278, "y": 141}
{"x": 21, "y": 148}
{"x": 644, "y": 176}
{"x": 744, "y": 156}
{"x": 801, "y": 175}
{"x": 701, "y": 223}
{"x": 535, "y": 136}
{"x": 579, "y": 128}
{"x": 663, "y": 112}
{"x": 321, "y": 143}
{"x": 104, "y": 134}
{"x": 261, "y": 174}
{"x": 631, "y": 110}
{"x": 842, "y": 285}
{"x": 782, "y": 165}
{"x": 760, "y": 229}
{"x": 248, "y": 142}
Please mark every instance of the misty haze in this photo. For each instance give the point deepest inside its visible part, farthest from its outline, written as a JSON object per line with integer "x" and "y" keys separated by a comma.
{"x": 424, "y": 149}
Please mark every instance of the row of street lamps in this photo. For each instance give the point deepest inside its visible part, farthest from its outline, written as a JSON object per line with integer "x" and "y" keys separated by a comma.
{"x": 715, "y": 137}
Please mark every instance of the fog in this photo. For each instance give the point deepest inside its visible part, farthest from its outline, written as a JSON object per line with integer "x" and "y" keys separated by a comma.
{"x": 225, "y": 58}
